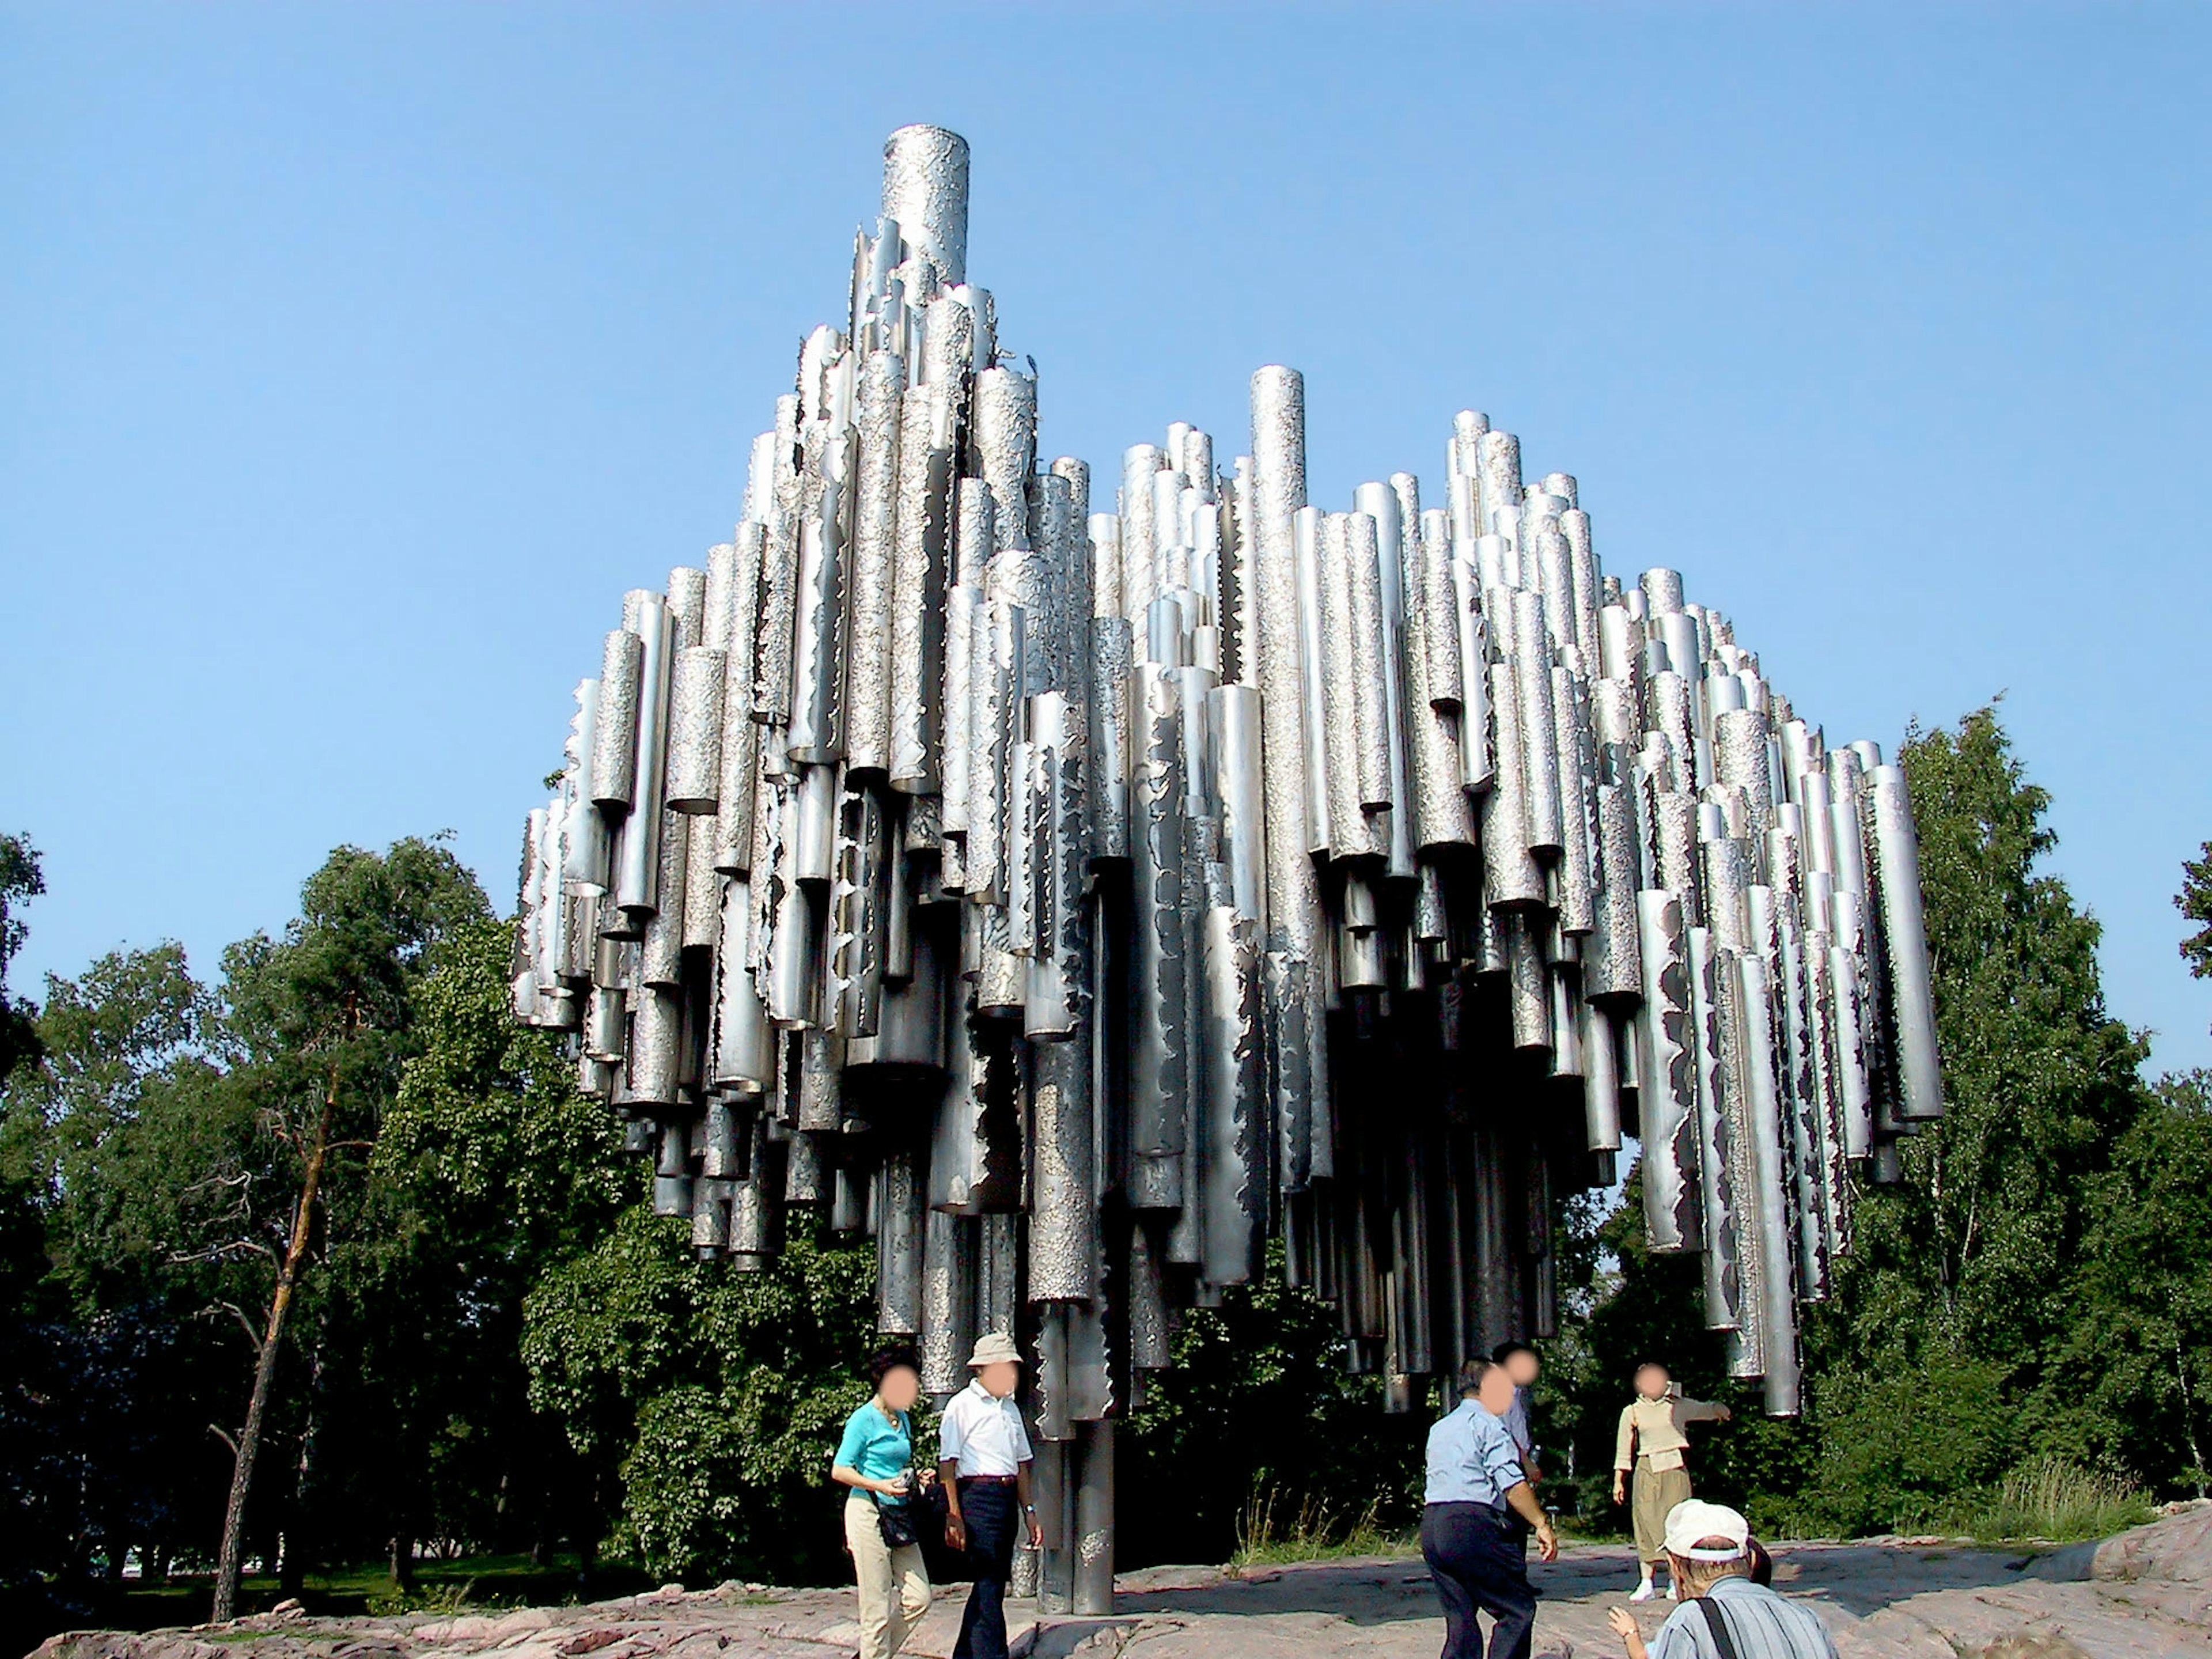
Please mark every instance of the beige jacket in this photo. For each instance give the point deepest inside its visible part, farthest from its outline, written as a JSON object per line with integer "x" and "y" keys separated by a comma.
{"x": 1653, "y": 1429}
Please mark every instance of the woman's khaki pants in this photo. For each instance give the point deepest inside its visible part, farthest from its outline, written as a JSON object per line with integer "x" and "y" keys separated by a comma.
{"x": 894, "y": 1588}
{"x": 1658, "y": 1490}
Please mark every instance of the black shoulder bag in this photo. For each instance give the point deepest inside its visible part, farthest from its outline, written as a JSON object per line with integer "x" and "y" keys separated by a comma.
{"x": 899, "y": 1516}
{"x": 1717, "y": 1622}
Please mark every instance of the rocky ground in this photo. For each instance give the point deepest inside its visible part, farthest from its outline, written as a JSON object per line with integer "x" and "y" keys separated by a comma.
{"x": 2143, "y": 1595}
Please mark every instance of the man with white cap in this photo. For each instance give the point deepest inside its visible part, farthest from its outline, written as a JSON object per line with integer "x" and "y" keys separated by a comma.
{"x": 984, "y": 1459}
{"x": 1724, "y": 1614}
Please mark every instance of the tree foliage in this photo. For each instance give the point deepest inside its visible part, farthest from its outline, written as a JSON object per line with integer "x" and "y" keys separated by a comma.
{"x": 20, "y": 879}
{"x": 715, "y": 1396}
{"x": 2195, "y": 902}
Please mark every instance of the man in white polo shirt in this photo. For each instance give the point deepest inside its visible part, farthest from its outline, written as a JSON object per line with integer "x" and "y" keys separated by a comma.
{"x": 984, "y": 1459}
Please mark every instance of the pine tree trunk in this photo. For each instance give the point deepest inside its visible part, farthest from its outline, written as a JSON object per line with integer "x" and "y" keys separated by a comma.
{"x": 264, "y": 1370}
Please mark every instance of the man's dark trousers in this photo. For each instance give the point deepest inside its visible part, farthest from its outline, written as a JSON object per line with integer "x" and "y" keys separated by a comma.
{"x": 989, "y": 1509}
{"x": 1477, "y": 1563}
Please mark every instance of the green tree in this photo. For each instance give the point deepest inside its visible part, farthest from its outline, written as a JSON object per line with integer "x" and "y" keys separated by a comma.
{"x": 20, "y": 879}
{"x": 2142, "y": 1345}
{"x": 2194, "y": 902}
{"x": 1958, "y": 1309}
{"x": 712, "y": 1397}
{"x": 492, "y": 1168}
{"x": 323, "y": 1021}
{"x": 2039, "y": 1080}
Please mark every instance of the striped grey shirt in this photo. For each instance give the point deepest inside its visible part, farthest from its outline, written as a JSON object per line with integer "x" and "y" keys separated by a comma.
{"x": 1763, "y": 1625}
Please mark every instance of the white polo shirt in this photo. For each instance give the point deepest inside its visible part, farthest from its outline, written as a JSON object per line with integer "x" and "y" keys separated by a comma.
{"x": 981, "y": 1434}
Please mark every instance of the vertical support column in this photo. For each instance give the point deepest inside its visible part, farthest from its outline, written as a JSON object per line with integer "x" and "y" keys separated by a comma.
{"x": 1094, "y": 1519}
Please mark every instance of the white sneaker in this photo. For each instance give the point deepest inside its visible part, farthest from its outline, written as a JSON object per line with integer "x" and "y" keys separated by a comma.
{"x": 1672, "y": 1594}
{"x": 1644, "y": 1591}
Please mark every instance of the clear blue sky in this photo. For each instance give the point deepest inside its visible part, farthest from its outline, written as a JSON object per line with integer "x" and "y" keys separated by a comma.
{"x": 354, "y": 359}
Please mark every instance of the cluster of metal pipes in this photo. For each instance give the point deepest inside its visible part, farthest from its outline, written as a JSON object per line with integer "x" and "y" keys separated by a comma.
{"x": 1074, "y": 902}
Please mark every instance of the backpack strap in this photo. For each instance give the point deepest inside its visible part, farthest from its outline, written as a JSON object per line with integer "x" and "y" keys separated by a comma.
{"x": 1717, "y": 1622}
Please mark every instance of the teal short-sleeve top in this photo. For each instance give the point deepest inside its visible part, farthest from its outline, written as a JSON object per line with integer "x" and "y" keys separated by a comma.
{"x": 873, "y": 1446}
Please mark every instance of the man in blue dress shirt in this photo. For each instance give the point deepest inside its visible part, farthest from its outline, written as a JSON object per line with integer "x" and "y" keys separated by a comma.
{"x": 1476, "y": 1485}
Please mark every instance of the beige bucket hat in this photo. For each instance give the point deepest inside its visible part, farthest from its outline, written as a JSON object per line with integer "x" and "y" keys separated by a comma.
{"x": 993, "y": 1348}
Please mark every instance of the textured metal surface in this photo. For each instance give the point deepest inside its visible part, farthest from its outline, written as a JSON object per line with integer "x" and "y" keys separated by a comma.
{"x": 1046, "y": 893}
{"x": 925, "y": 192}
{"x": 875, "y": 512}
{"x": 614, "y": 754}
{"x": 695, "y": 731}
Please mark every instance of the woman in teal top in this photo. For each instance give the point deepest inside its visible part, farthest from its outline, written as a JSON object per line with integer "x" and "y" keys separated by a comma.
{"x": 872, "y": 1462}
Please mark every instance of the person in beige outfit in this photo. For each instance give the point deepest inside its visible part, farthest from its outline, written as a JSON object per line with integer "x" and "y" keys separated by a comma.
{"x": 1650, "y": 1443}
{"x": 873, "y": 1460}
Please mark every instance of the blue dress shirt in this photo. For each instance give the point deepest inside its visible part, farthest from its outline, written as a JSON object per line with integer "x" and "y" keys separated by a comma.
{"x": 1472, "y": 1458}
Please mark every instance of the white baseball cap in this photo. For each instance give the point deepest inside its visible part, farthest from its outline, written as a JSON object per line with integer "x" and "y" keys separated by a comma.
{"x": 1690, "y": 1523}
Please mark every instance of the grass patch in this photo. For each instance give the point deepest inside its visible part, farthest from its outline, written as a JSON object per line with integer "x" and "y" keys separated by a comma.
{"x": 1274, "y": 1532}
{"x": 2053, "y": 1501}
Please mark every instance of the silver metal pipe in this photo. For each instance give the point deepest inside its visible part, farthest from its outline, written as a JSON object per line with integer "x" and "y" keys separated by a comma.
{"x": 1396, "y": 508}
{"x": 1159, "y": 1065}
{"x": 1905, "y": 941}
{"x": 819, "y": 634}
{"x": 871, "y": 612}
{"x": 1312, "y": 651}
{"x": 1538, "y": 728}
{"x": 1669, "y": 1082}
{"x": 900, "y": 1208}
{"x": 1056, "y": 1004}
{"x": 1436, "y": 803}
{"x": 1731, "y": 1298}
{"x": 744, "y": 1048}
{"x": 925, "y": 192}
{"x": 695, "y": 731}
{"x": 614, "y": 753}
{"x": 779, "y": 588}
{"x": 1111, "y": 648}
{"x": 1368, "y": 668}
{"x": 1434, "y": 604}
{"x": 738, "y": 747}
{"x": 1139, "y": 529}
{"x": 1234, "y": 1152}
{"x": 1003, "y": 436}
{"x": 948, "y": 1300}
{"x": 1063, "y": 1232}
{"x": 1234, "y": 720}
{"x": 1352, "y": 774}
{"x": 1577, "y": 884}
{"x": 1094, "y": 1521}
{"x": 640, "y": 864}
{"x": 1511, "y": 873}
{"x": 1778, "y": 1353}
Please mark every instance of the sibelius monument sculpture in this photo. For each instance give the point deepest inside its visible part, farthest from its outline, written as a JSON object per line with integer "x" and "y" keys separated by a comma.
{"x": 1073, "y": 901}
